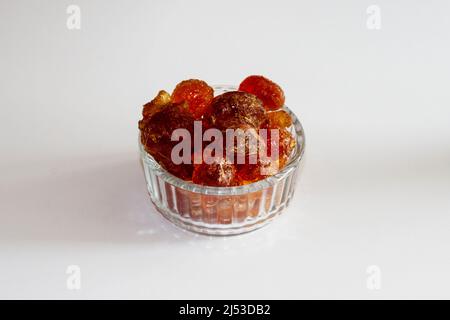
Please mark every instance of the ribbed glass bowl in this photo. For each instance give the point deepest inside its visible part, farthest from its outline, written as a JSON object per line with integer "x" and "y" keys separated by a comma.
{"x": 223, "y": 210}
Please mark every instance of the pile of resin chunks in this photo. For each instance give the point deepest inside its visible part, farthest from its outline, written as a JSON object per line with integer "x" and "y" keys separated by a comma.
{"x": 255, "y": 106}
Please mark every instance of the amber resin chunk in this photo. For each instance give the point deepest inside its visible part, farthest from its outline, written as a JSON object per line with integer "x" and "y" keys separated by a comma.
{"x": 286, "y": 143}
{"x": 249, "y": 173}
{"x": 219, "y": 173}
{"x": 197, "y": 93}
{"x": 156, "y": 132}
{"x": 161, "y": 152}
{"x": 269, "y": 163}
{"x": 279, "y": 119}
{"x": 162, "y": 124}
{"x": 268, "y": 91}
{"x": 157, "y": 104}
{"x": 236, "y": 109}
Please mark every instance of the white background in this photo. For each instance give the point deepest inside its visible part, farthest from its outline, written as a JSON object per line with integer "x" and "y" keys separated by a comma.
{"x": 375, "y": 186}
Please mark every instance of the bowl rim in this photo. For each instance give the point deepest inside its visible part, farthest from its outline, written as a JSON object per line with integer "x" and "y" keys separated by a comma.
{"x": 293, "y": 163}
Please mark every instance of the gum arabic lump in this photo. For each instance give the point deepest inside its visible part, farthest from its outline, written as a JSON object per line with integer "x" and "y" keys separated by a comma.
{"x": 279, "y": 119}
{"x": 268, "y": 91}
{"x": 197, "y": 93}
{"x": 157, "y": 104}
{"x": 156, "y": 132}
{"x": 236, "y": 109}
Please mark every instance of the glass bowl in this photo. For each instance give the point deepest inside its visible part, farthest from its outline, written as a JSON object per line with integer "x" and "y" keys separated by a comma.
{"x": 223, "y": 210}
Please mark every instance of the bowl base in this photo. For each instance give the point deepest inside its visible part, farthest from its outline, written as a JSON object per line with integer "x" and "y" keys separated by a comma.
{"x": 219, "y": 229}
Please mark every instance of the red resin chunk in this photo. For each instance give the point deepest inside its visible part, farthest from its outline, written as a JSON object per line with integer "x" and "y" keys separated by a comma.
{"x": 197, "y": 93}
{"x": 268, "y": 91}
{"x": 236, "y": 109}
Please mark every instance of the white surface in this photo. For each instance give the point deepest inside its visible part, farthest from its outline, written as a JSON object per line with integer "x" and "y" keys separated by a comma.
{"x": 376, "y": 179}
